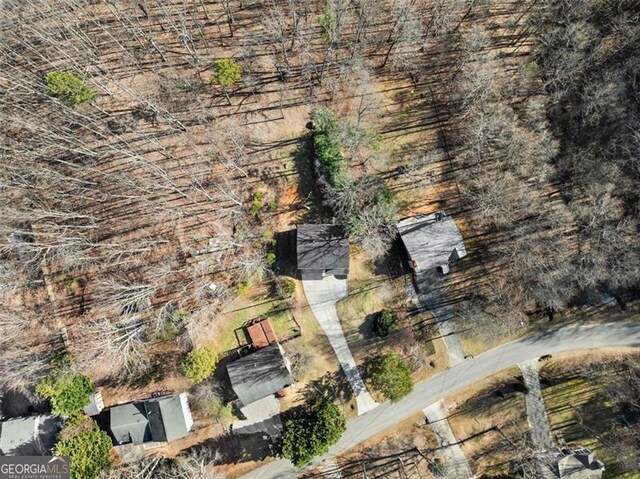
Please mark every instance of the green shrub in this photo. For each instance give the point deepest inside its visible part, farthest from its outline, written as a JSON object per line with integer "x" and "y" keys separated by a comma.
{"x": 219, "y": 411}
{"x": 88, "y": 452}
{"x": 69, "y": 88}
{"x": 328, "y": 22}
{"x": 328, "y": 148}
{"x": 530, "y": 67}
{"x": 270, "y": 258}
{"x": 390, "y": 375}
{"x": 226, "y": 72}
{"x": 199, "y": 364}
{"x": 384, "y": 323}
{"x": 179, "y": 315}
{"x": 242, "y": 288}
{"x": 312, "y": 433}
{"x": 288, "y": 286}
{"x": 69, "y": 393}
{"x": 257, "y": 203}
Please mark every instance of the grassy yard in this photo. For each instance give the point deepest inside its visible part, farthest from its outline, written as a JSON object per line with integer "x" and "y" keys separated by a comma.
{"x": 393, "y": 453}
{"x": 260, "y": 302}
{"x": 478, "y": 412}
{"x": 369, "y": 294}
{"x": 577, "y": 412}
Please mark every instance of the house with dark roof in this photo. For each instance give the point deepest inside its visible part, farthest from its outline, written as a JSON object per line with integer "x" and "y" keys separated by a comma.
{"x": 29, "y": 436}
{"x": 153, "y": 421}
{"x": 262, "y": 373}
{"x": 432, "y": 242}
{"x": 322, "y": 250}
{"x": 572, "y": 463}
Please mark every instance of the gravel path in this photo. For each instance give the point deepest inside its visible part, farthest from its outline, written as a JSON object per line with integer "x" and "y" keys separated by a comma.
{"x": 536, "y": 413}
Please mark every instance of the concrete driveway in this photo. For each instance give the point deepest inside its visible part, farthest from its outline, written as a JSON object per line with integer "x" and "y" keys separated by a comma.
{"x": 262, "y": 416}
{"x": 455, "y": 462}
{"x": 322, "y": 296}
{"x": 432, "y": 297}
{"x": 458, "y": 377}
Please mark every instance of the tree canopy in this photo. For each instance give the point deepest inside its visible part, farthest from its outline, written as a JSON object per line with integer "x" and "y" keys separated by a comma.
{"x": 69, "y": 88}
{"x": 390, "y": 375}
{"x": 319, "y": 426}
{"x": 69, "y": 393}
{"x": 226, "y": 72}
{"x": 199, "y": 364}
{"x": 88, "y": 451}
{"x": 384, "y": 323}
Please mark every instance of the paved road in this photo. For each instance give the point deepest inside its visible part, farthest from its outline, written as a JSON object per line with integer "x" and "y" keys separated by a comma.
{"x": 456, "y": 465}
{"x": 432, "y": 297}
{"x": 458, "y": 377}
{"x": 536, "y": 412}
{"x": 322, "y": 296}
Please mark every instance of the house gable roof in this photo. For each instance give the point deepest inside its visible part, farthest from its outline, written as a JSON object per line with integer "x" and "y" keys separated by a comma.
{"x": 160, "y": 419}
{"x": 259, "y": 374}
{"x": 431, "y": 240}
{"x": 29, "y": 436}
{"x": 322, "y": 247}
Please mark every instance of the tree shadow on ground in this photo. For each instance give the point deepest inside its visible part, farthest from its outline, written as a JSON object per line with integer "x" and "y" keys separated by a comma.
{"x": 333, "y": 385}
{"x": 393, "y": 262}
{"x": 366, "y": 328}
{"x": 233, "y": 448}
{"x": 286, "y": 260}
{"x": 15, "y": 404}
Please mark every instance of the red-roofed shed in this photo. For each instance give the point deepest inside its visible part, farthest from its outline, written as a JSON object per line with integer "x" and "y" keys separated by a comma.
{"x": 262, "y": 333}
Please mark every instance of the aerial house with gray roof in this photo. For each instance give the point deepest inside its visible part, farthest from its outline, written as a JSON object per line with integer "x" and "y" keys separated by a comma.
{"x": 153, "y": 421}
{"x": 322, "y": 250}
{"x": 29, "y": 436}
{"x": 432, "y": 242}
{"x": 571, "y": 463}
{"x": 260, "y": 374}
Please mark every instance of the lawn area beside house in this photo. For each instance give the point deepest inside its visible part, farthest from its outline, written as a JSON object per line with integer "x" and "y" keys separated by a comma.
{"x": 259, "y": 302}
{"x": 372, "y": 290}
{"x": 487, "y": 419}
{"x": 578, "y": 412}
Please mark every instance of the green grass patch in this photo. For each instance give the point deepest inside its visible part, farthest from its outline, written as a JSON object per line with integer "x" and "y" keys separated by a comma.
{"x": 579, "y": 415}
{"x": 260, "y": 303}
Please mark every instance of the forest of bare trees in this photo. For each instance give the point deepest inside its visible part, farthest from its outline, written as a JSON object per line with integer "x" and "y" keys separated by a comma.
{"x": 136, "y": 205}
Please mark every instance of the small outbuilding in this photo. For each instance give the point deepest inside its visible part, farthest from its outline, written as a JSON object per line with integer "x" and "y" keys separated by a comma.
{"x": 157, "y": 420}
{"x": 432, "y": 242}
{"x": 261, "y": 333}
{"x": 322, "y": 250}
{"x": 29, "y": 436}
{"x": 260, "y": 374}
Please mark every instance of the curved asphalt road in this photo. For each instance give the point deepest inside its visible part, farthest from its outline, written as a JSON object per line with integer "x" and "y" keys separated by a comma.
{"x": 462, "y": 375}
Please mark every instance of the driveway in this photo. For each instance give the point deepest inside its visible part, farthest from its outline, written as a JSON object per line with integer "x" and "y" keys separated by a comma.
{"x": 455, "y": 463}
{"x": 427, "y": 392}
{"x": 432, "y": 297}
{"x": 261, "y": 416}
{"x": 541, "y": 436}
{"x": 322, "y": 296}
